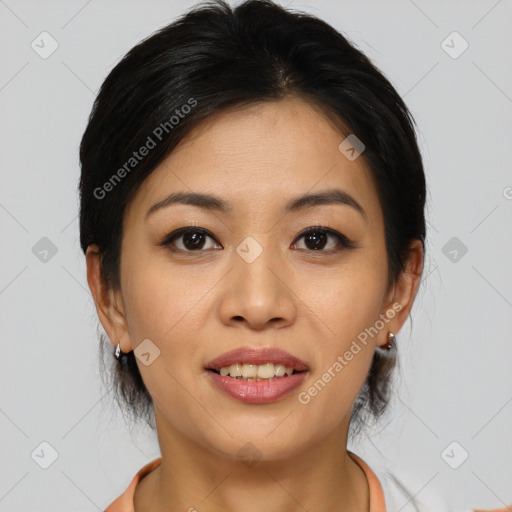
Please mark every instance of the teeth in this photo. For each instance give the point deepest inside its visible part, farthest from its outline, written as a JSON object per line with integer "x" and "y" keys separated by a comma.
{"x": 279, "y": 370}
{"x": 254, "y": 372}
{"x": 235, "y": 370}
{"x": 249, "y": 370}
{"x": 265, "y": 371}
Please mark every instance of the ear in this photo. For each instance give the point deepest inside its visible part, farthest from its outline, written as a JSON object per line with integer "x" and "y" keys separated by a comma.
{"x": 401, "y": 296}
{"x": 109, "y": 304}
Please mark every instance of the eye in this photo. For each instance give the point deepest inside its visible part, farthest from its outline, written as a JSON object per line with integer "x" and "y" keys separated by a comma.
{"x": 189, "y": 239}
{"x": 316, "y": 239}
{"x": 193, "y": 239}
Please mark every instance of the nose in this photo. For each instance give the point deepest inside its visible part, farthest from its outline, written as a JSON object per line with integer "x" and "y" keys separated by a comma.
{"x": 259, "y": 294}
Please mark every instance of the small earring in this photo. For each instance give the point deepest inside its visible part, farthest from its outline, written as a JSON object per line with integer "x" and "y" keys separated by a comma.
{"x": 389, "y": 344}
{"x": 118, "y": 354}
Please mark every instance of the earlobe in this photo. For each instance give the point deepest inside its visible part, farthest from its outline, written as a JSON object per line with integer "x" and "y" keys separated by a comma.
{"x": 108, "y": 305}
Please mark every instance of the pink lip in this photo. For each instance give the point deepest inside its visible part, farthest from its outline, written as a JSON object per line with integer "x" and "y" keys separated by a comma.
{"x": 257, "y": 356}
{"x": 258, "y": 392}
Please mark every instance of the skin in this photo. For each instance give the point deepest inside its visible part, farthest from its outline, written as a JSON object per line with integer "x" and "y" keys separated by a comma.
{"x": 199, "y": 304}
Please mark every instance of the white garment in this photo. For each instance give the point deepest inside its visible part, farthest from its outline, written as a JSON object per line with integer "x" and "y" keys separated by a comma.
{"x": 399, "y": 494}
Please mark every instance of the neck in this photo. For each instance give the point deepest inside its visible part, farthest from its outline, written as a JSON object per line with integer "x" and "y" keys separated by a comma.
{"x": 193, "y": 478}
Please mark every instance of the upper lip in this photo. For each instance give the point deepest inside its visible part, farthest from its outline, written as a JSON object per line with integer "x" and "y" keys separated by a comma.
{"x": 257, "y": 356}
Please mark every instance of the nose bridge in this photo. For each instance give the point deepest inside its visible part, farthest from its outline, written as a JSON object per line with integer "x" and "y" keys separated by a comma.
{"x": 257, "y": 292}
{"x": 255, "y": 257}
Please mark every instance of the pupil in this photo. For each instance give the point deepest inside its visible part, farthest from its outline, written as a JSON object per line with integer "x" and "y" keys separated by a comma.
{"x": 314, "y": 237}
{"x": 195, "y": 238}
{"x": 314, "y": 240}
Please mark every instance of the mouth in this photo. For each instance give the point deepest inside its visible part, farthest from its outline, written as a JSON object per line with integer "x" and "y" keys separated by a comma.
{"x": 257, "y": 375}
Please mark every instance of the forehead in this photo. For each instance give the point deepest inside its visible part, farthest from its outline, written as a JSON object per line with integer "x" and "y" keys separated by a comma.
{"x": 261, "y": 154}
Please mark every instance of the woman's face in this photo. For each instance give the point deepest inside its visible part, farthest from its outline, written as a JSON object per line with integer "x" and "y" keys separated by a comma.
{"x": 255, "y": 280}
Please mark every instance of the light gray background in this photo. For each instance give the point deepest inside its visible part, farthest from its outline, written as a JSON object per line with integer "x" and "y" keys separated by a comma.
{"x": 455, "y": 382}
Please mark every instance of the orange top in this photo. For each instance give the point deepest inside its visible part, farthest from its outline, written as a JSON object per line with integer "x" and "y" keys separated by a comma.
{"x": 377, "y": 504}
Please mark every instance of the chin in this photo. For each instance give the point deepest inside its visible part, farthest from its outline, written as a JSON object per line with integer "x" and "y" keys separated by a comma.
{"x": 251, "y": 443}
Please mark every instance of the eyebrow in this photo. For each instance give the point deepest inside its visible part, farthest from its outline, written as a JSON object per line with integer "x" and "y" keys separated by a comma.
{"x": 211, "y": 202}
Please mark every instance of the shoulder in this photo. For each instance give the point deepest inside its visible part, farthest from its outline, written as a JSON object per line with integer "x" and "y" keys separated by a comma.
{"x": 124, "y": 503}
{"x": 402, "y": 494}
{"x": 408, "y": 493}
{"x": 504, "y": 509}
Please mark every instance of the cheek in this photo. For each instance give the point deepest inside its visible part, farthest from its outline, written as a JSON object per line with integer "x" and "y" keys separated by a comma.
{"x": 328, "y": 399}
{"x": 165, "y": 308}
{"x": 345, "y": 350}
{"x": 345, "y": 302}
{"x": 348, "y": 305}
{"x": 156, "y": 298}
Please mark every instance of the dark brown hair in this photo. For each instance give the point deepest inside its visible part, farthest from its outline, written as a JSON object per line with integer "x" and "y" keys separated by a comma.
{"x": 216, "y": 57}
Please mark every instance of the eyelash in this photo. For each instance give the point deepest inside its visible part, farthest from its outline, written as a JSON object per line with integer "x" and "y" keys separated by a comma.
{"x": 342, "y": 239}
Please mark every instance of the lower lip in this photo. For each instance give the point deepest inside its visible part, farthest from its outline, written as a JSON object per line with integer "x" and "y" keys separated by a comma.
{"x": 258, "y": 392}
